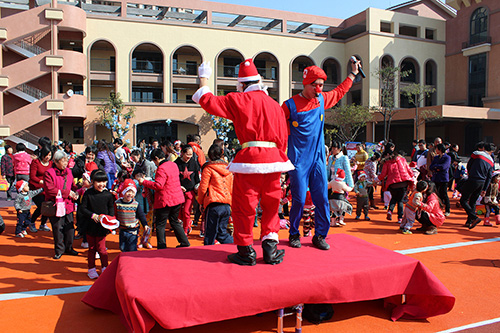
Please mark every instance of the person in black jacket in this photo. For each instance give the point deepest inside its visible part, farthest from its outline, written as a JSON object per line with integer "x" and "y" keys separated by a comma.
{"x": 96, "y": 201}
{"x": 189, "y": 173}
{"x": 84, "y": 160}
{"x": 479, "y": 169}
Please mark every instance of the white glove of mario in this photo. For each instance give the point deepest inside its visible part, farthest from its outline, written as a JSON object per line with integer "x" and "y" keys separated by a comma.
{"x": 205, "y": 70}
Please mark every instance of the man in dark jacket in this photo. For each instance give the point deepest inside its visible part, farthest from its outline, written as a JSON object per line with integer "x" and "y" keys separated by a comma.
{"x": 480, "y": 169}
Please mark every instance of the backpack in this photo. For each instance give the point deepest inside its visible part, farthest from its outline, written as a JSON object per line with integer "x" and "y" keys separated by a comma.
{"x": 317, "y": 313}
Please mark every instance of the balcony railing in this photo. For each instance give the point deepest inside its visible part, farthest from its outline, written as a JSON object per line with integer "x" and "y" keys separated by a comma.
{"x": 147, "y": 66}
{"x": 268, "y": 73}
{"x": 32, "y": 91}
{"x": 183, "y": 101}
{"x": 185, "y": 69}
{"x": 476, "y": 40}
{"x": 228, "y": 71}
{"x": 102, "y": 65}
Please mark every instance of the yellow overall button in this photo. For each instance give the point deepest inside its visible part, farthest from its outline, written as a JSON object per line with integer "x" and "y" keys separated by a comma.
{"x": 295, "y": 124}
{"x": 321, "y": 118}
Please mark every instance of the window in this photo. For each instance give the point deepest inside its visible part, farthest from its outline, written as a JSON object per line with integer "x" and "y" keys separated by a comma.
{"x": 407, "y": 30}
{"x": 147, "y": 95}
{"x": 479, "y": 26}
{"x": 231, "y": 67}
{"x": 78, "y": 132}
{"x": 385, "y": 27}
{"x": 429, "y": 33}
{"x": 477, "y": 79}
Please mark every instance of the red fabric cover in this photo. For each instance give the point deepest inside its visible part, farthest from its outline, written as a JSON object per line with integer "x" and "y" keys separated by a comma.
{"x": 167, "y": 185}
{"x": 352, "y": 270}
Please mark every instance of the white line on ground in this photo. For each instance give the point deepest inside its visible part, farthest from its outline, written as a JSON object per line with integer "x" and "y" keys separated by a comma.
{"x": 81, "y": 289}
{"x": 474, "y": 325}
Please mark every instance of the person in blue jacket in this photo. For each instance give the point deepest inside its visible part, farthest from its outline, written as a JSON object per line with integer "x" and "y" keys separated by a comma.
{"x": 440, "y": 167}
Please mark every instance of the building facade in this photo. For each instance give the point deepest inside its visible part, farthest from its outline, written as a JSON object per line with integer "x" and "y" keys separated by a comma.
{"x": 55, "y": 70}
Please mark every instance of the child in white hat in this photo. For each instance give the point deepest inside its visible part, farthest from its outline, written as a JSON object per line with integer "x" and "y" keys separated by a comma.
{"x": 361, "y": 190}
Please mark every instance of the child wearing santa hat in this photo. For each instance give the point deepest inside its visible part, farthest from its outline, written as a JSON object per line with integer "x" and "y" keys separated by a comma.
{"x": 96, "y": 202}
{"x": 130, "y": 214}
{"x": 361, "y": 190}
{"x": 22, "y": 204}
{"x": 337, "y": 188}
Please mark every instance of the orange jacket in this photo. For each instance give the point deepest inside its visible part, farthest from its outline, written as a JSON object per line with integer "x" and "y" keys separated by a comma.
{"x": 216, "y": 184}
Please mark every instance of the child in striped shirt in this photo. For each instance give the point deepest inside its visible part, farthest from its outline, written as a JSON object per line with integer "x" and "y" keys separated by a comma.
{"x": 130, "y": 214}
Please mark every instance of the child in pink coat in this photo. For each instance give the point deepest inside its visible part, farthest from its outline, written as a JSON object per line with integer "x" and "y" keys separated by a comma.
{"x": 22, "y": 162}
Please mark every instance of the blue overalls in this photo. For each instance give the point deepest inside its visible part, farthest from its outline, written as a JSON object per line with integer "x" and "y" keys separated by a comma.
{"x": 306, "y": 150}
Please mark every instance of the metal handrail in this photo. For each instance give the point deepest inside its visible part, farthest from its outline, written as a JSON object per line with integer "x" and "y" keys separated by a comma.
{"x": 32, "y": 91}
{"x": 35, "y": 49}
{"x": 101, "y": 64}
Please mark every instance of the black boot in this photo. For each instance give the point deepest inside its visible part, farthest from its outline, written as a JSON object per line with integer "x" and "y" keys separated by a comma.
{"x": 245, "y": 256}
{"x": 272, "y": 255}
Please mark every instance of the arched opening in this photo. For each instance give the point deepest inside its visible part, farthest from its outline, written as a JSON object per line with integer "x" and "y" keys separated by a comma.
{"x": 431, "y": 80}
{"x": 268, "y": 67}
{"x": 228, "y": 63}
{"x": 162, "y": 131}
{"x": 387, "y": 82}
{"x": 412, "y": 70}
{"x": 147, "y": 74}
{"x": 298, "y": 65}
{"x": 479, "y": 26}
{"x": 102, "y": 71}
{"x": 332, "y": 69}
{"x": 185, "y": 62}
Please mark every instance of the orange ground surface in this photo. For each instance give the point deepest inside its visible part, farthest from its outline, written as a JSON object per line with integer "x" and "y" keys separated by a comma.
{"x": 471, "y": 273}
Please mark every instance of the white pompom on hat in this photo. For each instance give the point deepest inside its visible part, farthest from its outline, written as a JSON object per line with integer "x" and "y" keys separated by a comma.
{"x": 248, "y": 72}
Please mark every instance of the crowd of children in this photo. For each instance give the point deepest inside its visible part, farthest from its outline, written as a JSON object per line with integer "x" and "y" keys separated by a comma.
{"x": 127, "y": 202}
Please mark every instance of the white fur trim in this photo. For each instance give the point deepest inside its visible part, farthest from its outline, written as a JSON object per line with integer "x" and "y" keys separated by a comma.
{"x": 250, "y": 78}
{"x": 200, "y": 92}
{"x": 272, "y": 236}
{"x": 261, "y": 167}
{"x": 256, "y": 87}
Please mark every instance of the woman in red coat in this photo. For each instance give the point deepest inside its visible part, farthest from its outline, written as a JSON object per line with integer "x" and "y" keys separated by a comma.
{"x": 37, "y": 170}
{"x": 168, "y": 198}
{"x": 398, "y": 174}
{"x": 432, "y": 215}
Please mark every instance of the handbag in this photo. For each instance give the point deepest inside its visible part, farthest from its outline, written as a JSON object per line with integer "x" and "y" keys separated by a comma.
{"x": 49, "y": 207}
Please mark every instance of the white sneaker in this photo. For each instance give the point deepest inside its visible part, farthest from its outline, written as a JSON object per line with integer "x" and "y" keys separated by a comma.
{"x": 85, "y": 245}
{"x": 92, "y": 273}
{"x": 97, "y": 256}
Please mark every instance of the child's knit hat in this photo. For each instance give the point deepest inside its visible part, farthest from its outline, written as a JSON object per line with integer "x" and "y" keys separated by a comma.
{"x": 340, "y": 175}
{"x": 20, "y": 185}
{"x": 361, "y": 174}
{"x": 128, "y": 185}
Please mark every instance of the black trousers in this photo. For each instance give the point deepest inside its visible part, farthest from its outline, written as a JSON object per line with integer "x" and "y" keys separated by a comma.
{"x": 442, "y": 193}
{"x": 398, "y": 195}
{"x": 424, "y": 220}
{"x": 64, "y": 233}
{"x": 38, "y": 211}
{"x": 172, "y": 214}
{"x": 471, "y": 190}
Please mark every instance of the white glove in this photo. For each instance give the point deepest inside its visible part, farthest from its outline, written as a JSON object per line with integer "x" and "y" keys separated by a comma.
{"x": 205, "y": 70}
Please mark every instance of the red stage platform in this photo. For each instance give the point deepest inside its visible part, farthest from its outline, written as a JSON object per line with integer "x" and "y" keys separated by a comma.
{"x": 192, "y": 286}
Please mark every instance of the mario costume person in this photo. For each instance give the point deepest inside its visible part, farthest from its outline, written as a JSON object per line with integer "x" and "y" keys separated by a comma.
{"x": 305, "y": 113}
{"x": 260, "y": 126}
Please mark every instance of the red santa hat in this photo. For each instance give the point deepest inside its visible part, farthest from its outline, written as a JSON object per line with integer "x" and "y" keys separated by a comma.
{"x": 91, "y": 166}
{"x": 248, "y": 72}
{"x": 413, "y": 164}
{"x": 177, "y": 142}
{"x": 109, "y": 222}
{"x": 340, "y": 175}
{"x": 128, "y": 185}
{"x": 20, "y": 185}
{"x": 312, "y": 73}
{"x": 361, "y": 174}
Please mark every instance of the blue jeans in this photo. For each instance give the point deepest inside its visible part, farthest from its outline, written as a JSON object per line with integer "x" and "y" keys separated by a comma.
{"x": 217, "y": 218}
{"x": 111, "y": 180}
{"x": 128, "y": 239}
{"x": 23, "y": 221}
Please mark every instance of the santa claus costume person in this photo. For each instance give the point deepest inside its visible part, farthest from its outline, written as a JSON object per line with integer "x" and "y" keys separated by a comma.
{"x": 260, "y": 126}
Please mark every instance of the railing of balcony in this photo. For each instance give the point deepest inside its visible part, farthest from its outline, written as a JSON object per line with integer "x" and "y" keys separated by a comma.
{"x": 102, "y": 65}
{"x": 147, "y": 66}
{"x": 268, "y": 73}
{"x": 190, "y": 68}
{"x": 476, "y": 40}
{"x": 228, "y": 71}
{"x": 183, "y": 101}
{"x": 297, "y": 76}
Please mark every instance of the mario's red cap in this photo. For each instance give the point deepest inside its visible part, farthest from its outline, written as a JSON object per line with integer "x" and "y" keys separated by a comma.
{"x": 312, "y": 73}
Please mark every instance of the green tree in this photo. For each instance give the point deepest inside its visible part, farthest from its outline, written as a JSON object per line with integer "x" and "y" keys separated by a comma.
{"x": 114, "y": 116}
{"x": 416, "y": 93}
{"x": 223, "y": 127}
{"x": 387, "y": 76}
{"x": 349, "y": 120}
